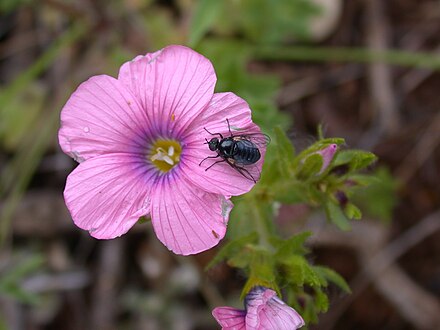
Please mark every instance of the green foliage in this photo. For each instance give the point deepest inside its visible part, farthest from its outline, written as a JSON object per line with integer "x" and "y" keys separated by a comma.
{"x": 336, "y": 215}
{"x": 282, "y": 264}
{"x": 266, "y": 257}
{"x": 261, "y": 21}
{"x": 232, "y": 248}
{"x": 205, "y": 15}
{"x": 295, "y": 244}
{"x": 30, "y": 141}
{"x": 19, "y": 116}
{"x": 7, "y": 6}
{"x": 331, "y": 276}
{"x": 160, "y": 25}
{"x": 231, "y": 34}
{"x": 310, "y": 167}
{"x": 11, "y": 278}
{"x": 230, "y": 59}
{"x": 285, "y": 150}
{"x": 355, "y": 159}
{"x": 377, "y": 196}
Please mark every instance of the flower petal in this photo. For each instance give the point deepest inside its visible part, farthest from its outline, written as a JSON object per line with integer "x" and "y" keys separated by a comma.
{"x": 276, "y": 315}
{"x": 173, "y": 85}
{"x": 107, "y": 194}
{"x": 220, "y": 178}
{"x": 186, "y": 219}
{"x": 230, "y": 318}
{"x": 265, "y": 311}
{"x": 102, "y": 116}
{"x": 327, "y": 156}
{"x": 255, "y": 300}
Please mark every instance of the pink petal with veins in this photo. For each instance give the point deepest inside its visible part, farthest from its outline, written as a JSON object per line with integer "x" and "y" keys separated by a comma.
{"x": 173, "y": 85}
{"x": 107, "y": 194}
{"x": 221, "y": 178}
{"x": 230, "y": 318}
{"x": 102, "y": 117}
{"x": 187, "y": 219}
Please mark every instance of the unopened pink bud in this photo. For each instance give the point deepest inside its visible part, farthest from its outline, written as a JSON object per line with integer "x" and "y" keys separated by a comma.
{"x": 327, "y": 156}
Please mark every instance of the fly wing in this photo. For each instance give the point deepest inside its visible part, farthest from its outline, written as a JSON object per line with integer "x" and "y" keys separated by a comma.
{"x": 259, "y": 139}
{"x": 251, "y": 172}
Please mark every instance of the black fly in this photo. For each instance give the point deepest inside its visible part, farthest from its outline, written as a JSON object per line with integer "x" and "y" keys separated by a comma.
{"x": 241, "y": 152}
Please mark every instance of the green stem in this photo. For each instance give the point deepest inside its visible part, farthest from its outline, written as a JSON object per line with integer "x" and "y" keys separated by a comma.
{"x": 348, "y": 54}
{"x": 263, "y": 226}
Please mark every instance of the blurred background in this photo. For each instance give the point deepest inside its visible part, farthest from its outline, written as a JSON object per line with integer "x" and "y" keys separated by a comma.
{"x": 367, "y": 70}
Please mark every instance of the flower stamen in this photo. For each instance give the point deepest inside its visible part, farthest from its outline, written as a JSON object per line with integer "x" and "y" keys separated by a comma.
{"x": 165, "y": 154}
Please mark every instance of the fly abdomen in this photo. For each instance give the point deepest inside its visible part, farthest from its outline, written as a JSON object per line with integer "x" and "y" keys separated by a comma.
{"x": 246, "y": 152}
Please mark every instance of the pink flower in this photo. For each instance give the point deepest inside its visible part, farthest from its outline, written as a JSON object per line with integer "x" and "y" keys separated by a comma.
{"x": 264, "y": 311}
{"x": 327, "y": 156}
{"x": 139, "y": 140}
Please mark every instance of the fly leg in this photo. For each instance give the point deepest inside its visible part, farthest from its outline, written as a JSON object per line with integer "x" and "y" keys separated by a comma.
{"x": 209, "y": 157}
{"x": 217, "y": 162}
{"x": 243, "y": 171}
{"x": 221, "y": 136}
{"x": 229, "y": 126}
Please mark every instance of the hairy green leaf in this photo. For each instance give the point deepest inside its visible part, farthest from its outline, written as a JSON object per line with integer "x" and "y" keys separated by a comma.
{"x": 352, "y": 211}
{"x": 311, "y": 166}
{"x": 232, "y": 248}
{"x": 336, "y": 215}
{"x": 333, "y": 277}
{"x": 356, "y": 159}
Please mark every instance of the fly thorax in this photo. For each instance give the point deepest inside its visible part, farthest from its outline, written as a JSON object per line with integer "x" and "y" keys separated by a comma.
{"x": 227, "y": 147}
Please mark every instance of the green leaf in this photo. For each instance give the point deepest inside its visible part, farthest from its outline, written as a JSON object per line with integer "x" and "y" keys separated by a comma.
{"x": 272, "y": 22}
{"x": 321, "y": 144}
{"x": 309, "y": 312}
{"x": 249, "y": 213}
{"x": 261, "y": 271}
{"x": 379, "y": 198}
{"x": 321, "y": 301}
{"x": 314, "y": 148}
{"x": 364, "y": 179}
{"x": 352, "y": 211}
{"x": 294, "y": 245}
{"x": 205, "y": 15}
{"x": 356, "y": 159}
{"x": 285, "y": 152}
{"x": 241, "y": 220}
{"x": 336, "y": 215}
{"x": 232, "y": 248}
{"x": 299, "y": 272}
{"x": 333, "y": 277}
{"x": 311, "y": 166}
{"x": 257, "y": 281}
{"x": 291, "y": 191}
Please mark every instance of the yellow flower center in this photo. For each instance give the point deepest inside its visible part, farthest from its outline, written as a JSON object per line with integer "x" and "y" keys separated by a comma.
{"x": 165, "y": 154}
